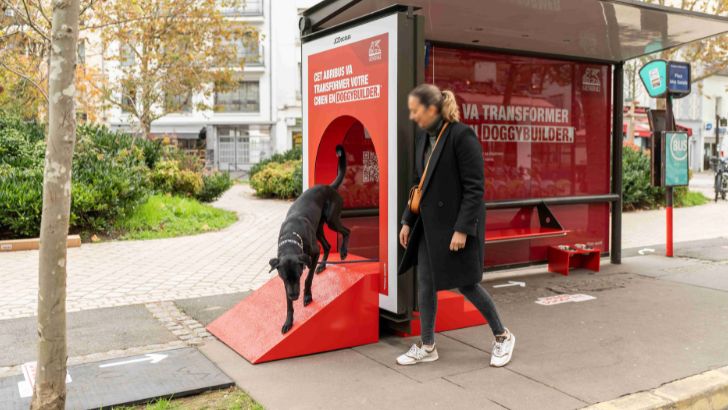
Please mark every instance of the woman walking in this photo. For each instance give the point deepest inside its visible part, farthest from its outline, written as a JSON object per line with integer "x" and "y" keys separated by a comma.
{"x": 445, "y": 235}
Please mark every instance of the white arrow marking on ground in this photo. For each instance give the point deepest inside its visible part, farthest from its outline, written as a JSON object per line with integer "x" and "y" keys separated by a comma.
{"x": 152, "y": 358}
{"x": 511, "y": 283}
{"x": 645, "y": 250}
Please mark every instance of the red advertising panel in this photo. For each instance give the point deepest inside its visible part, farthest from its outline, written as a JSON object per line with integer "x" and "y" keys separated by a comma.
{"x": 544, "y": 125}
{"x": 347, "y": 101}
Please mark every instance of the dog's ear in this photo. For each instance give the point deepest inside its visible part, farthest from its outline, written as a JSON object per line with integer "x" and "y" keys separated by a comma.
{"x": 273, "y": 264}
{"x": 305, "y": 259}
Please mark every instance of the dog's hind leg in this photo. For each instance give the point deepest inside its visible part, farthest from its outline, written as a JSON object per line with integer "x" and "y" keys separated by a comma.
{"x": 307, "y": 296}
{"x": 324, "y": 244}
{"x": 334, "y": 222}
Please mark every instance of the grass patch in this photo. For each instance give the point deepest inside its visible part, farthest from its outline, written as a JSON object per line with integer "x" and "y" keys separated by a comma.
{"x": 692, "y": 198}
{"x": 228, "y": 399}
{"x": 165, "y": 216}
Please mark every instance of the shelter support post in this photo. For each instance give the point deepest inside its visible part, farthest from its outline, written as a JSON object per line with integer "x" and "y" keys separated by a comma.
{"x": 617, "y": 107}
{"x": 668, "y": 189}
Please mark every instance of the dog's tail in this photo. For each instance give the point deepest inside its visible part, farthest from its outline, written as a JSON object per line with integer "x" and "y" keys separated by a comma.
{"x": 342, "y": 167}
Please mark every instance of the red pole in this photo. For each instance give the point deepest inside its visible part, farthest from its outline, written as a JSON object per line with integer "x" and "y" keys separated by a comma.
{"x": 668, "y": 248}
{"x": 668, "y": 190}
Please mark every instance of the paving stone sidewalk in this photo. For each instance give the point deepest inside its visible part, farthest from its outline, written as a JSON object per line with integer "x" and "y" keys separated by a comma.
{"x": 129, "y": 272}
{"x": 655, "y": 323}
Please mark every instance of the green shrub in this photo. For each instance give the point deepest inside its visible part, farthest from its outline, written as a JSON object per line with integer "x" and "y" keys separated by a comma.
{"x": 214, "y": 185}
{"x": 112, "y": 142}
{"x": 184, "y": 160}
{"x": 189, "y": 183}
{"x": 168, "y": 178}
{"x": 109, "y": 178}
{"x": 32, "y": 131}
{"x": 17, "y": 149}
{"x": 639, "y": 193}
{"x": 164, "y": 175}
{"x": 280, "y": 180}
{"x": 294, "y": 154}
{"x": 21, "y": 201}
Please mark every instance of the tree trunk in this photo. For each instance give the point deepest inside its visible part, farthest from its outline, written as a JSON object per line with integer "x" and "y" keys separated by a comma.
{"x": 630, "y": 123}
{"x": 50, "y": 383}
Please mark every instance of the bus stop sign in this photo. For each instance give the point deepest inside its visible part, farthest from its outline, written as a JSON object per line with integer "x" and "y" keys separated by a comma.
{"x": 654, "y": 77}
{"x": 678, "y": 78}
{"x": 675, "y": 154}
{"x": 661, "y": 77}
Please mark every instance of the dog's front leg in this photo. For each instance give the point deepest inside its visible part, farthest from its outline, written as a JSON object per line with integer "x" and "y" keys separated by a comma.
{"x": 307, "y": 296}
{"x": 289, "y": 316}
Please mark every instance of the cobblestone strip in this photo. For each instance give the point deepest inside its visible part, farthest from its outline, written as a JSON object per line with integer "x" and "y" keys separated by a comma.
{"x": 181, "y": 325}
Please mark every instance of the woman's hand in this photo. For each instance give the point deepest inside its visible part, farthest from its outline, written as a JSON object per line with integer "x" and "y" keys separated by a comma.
{"x": 458, "y": 241}
{"x": 404, "y": 235}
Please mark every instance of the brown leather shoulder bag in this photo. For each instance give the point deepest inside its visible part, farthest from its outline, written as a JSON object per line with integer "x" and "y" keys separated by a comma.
{"x": 415, "y": 193}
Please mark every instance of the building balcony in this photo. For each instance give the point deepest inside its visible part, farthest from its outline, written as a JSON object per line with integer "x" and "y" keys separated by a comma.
{"x": 251, "y": 8}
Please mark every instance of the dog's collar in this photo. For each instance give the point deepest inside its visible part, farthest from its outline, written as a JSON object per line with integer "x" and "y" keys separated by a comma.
{"x": 298, "y": 243}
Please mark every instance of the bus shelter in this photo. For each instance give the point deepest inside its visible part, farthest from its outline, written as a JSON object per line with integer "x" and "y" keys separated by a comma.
{"x": 540, "y": 83}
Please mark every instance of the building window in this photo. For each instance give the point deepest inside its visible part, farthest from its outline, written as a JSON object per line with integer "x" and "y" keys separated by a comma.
{"x": 249, "y": 49}
{"x": 128, "y": 99}
{"x": 244, "y": 98}
{"x": 298, "y": 82}
{"x": 249, "y": 8}
{"x": 127, "y": 57}
{"x": 81, "y": 51}
{"x": 179, "y": 103}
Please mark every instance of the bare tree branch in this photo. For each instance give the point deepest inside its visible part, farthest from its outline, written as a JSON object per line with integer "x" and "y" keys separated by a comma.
{"x": 87, "y": 7}
{"x": 39, "y": 6}
{"x": 26, "y": 78}
{"x": 29, "y": 20}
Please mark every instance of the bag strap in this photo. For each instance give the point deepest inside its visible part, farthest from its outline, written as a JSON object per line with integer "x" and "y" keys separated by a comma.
{"x": 424, "y": 172}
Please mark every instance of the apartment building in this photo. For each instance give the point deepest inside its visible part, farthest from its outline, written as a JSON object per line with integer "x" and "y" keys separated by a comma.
{"x": 263, "y": 115}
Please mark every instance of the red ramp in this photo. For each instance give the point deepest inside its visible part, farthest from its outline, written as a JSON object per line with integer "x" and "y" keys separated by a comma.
{"x": 344, "y": 313}
{"x": 453, "y": 312}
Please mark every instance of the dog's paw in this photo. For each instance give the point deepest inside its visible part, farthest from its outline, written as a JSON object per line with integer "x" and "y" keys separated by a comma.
{"x": 344, "y": 253}
{"x": 307, "y": 299}
{"x": 320, "y": 268}
{"x": 286, "y": 327}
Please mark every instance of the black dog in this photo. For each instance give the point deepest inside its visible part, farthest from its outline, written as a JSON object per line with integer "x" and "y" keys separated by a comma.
{"x": 304, "y": 223}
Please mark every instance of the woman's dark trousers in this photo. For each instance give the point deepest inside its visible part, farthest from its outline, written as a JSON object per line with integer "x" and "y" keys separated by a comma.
{"x": 427, "y": 297}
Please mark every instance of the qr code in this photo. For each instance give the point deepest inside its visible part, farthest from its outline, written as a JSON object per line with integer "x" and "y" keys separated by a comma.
{"x": 371, "y": 168}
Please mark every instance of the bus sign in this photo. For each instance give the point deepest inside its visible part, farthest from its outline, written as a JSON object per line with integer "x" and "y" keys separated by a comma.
{"x": 675, "y": 154}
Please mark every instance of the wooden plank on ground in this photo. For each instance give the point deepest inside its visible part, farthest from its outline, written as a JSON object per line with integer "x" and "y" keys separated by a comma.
{"x": 9, "y": 245}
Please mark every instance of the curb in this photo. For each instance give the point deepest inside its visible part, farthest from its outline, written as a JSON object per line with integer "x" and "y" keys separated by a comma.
{"x": 707, "y": 390}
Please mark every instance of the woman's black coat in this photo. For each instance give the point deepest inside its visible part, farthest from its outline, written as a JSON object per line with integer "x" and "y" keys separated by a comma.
{"x": 452, "y": 200}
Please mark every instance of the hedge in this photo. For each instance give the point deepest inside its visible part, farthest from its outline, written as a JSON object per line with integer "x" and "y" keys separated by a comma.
{"x": 112, "y": 173}
{"x": 637, "y": 191}
{"x": 280, "y": 180}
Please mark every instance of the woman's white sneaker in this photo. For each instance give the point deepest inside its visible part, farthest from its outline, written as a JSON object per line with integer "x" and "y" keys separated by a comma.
{"x": 502, "y": 349}
{"x": 417, "y": 354}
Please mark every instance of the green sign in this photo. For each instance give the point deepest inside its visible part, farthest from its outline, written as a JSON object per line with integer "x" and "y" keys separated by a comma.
{"x": 654, "y": 77}
{"x": 675, "y": 154}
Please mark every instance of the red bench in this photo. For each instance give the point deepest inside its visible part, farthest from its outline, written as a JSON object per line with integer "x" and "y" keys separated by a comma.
{"x": 521, "y": 227}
